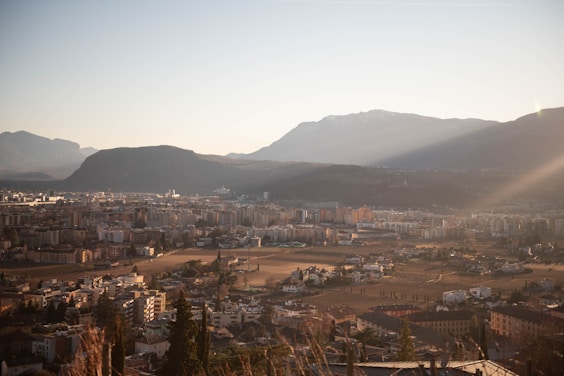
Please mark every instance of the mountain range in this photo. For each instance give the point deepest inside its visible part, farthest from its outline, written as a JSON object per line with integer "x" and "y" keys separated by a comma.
{"x": 381, "y": 138}
{"x": 470, "y": 161}
{"x": 365, "y": 138}
{"x": 26, "y": 156}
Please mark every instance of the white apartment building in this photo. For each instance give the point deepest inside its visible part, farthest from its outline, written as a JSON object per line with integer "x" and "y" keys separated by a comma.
{"x": 454, "y": 297}
{"x": 481, "y": 292}
{"x": 144, "y": 309}
{"x": 45, "y": 345}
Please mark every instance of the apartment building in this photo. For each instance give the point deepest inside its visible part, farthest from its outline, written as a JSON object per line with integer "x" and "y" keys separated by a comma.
{"x": 516, "y": 322}
{"x": 59, "y": 255}
{"x": 454, "y": 297}
{"x": 126, "y": 306}
{"x": 144, "y": 309}
{"x": 454, "y": 323}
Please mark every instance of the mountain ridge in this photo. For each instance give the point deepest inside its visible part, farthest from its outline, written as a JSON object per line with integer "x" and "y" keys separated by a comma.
{"x": 363, "y": 137}
{"x": 24, "y": 154}
{"x": 526, "y": 143}
{"x": 458, "y": 172}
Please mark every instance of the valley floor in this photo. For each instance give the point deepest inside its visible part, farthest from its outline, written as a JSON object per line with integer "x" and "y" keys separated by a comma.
{"x": 414, "y": 281}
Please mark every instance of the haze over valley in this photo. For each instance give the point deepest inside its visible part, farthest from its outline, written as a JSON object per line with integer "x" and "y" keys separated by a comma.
{"x": 376, "y": 158}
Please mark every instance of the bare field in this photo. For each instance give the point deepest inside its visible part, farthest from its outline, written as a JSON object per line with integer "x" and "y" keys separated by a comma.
{"x": 415, "y": 281}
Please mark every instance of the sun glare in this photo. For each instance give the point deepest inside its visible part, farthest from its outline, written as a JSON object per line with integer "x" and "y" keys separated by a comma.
{"x": 538, "y": 108}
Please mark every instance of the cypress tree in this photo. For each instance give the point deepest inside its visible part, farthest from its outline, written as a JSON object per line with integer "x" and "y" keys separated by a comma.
{"x": 204, "y": 341}
{"x": 51, "y": 315}
{"x": 118, "y": 348}
{"x": 483, "y": 344}
{"x": 405, "y": 350}
{"x": 105, "y": 311}
{"x": 181, "y": 358}
{"x": 61, "y": 311}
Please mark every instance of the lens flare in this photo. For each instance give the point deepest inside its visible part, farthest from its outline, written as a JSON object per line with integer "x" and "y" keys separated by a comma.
{"x": 538, "y": 108}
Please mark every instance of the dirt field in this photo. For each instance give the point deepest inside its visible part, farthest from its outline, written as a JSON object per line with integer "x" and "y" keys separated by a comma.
{"x": 415, "y": 281}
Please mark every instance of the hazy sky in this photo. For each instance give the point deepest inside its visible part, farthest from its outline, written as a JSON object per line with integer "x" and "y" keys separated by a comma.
{"x": 233, "y": 76}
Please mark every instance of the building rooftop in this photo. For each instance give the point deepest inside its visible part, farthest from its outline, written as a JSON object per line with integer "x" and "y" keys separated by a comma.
{"x": 520, "y": 313}
{"x": 440, "y": 316}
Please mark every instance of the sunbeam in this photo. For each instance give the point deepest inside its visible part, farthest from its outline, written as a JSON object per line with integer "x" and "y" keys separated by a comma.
{"x": 523, "y": 183}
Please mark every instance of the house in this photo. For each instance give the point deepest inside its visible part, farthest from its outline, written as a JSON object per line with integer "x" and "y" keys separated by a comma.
{"x": 546, "y": 284}
{"x": 292, "y": 308}
{"x": 454, "y": 297}
{"x": 145, "y": 251}
{"x": 18, "y": 366}
{"x": 154, "y": 344}
{"x": 292, "y": 286}
{"x": 516, "y": 267}
{"x": 231, "y": 313}
{"x": 340, "y": 313}
{"x": 354, "y": 259}
{"x": 374, "y": 270}
{"x": 481, "y": 292}
{"x": 45, "y": 345}
{"x": 10, "y": 301}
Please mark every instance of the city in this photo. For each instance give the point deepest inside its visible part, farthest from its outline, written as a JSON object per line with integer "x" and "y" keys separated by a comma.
{"x": 281, "y": 188}
{"x": 232, "y": 258}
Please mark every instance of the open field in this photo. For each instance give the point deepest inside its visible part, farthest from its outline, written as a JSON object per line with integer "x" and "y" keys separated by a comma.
{"x": 411, "y": 282}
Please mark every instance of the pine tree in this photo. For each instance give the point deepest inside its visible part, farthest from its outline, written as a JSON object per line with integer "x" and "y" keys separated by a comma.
{"x": 181, "y": 358}
{"x": 405, "y": 350}
{"x": 204, "y": 341}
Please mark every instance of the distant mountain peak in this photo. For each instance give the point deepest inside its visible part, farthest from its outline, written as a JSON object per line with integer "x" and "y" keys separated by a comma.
{"x": 24, "y": 155}
{"x": 363, "y": 138}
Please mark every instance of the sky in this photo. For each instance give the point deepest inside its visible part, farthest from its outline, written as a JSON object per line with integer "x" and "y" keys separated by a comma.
{"x": 234, "y": 76}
